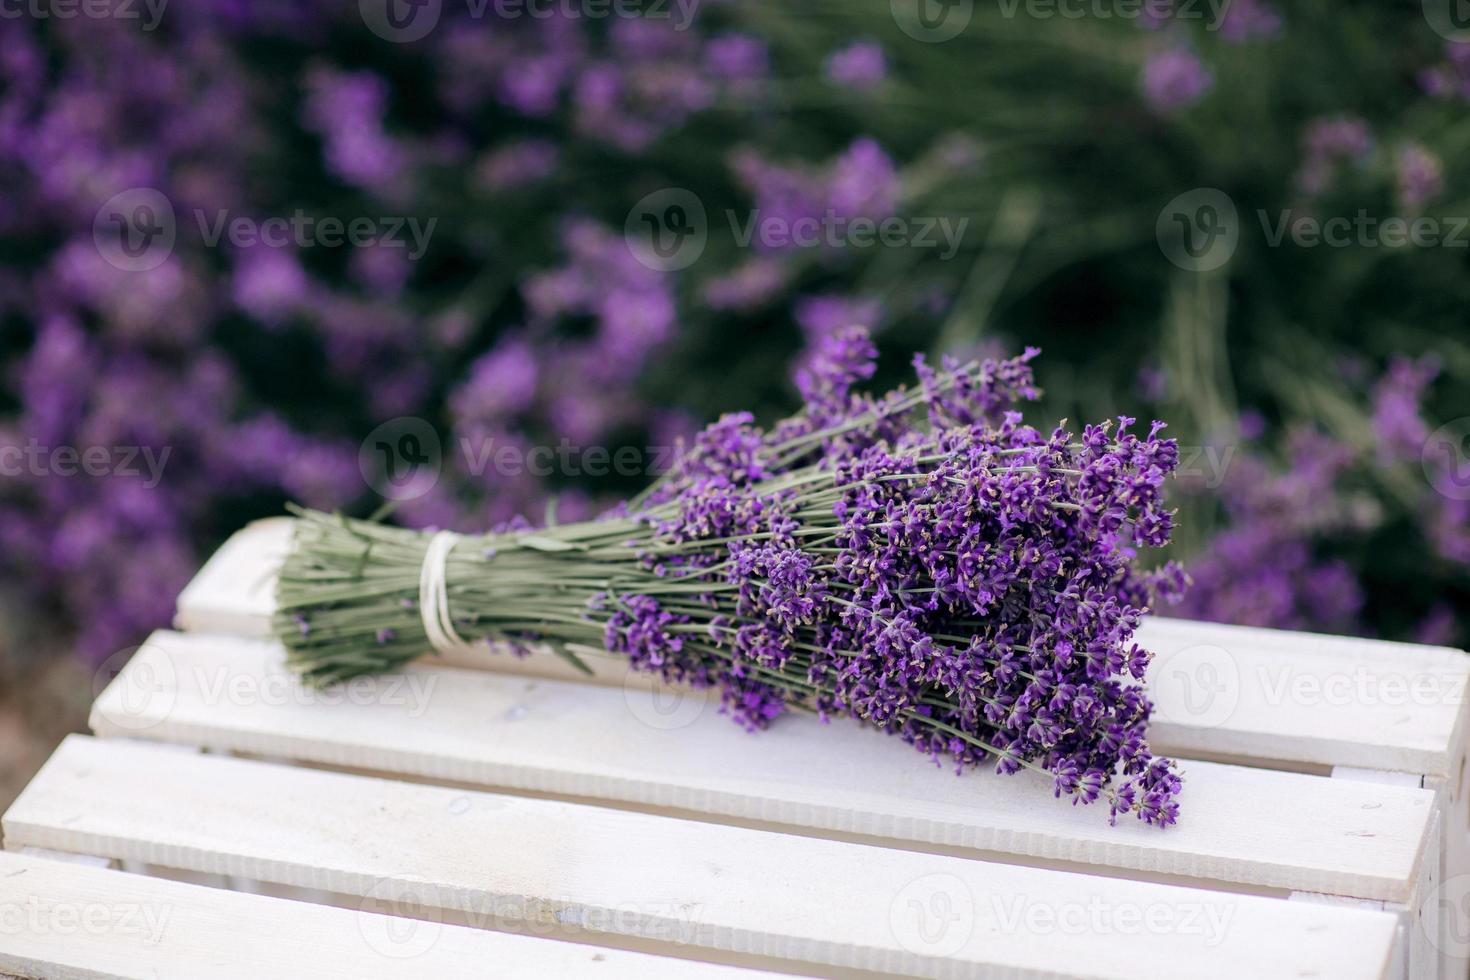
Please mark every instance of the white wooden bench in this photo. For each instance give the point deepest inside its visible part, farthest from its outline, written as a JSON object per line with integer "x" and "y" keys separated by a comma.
{"x": 501, "y": 816}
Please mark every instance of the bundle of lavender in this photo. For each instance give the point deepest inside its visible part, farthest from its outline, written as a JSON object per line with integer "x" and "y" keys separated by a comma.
{"x": 921, "y": 561}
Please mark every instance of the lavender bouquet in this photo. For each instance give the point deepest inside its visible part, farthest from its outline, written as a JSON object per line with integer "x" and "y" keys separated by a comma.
{"x": 921, "y": 561}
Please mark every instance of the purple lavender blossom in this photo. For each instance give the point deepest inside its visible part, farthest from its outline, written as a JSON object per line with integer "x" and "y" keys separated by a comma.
{"x": 1152, "y": 383}
{"x": 751, "y": 285}
{"x": 518, "y": 164}
{"x": 1263, "y": 568}
{"x": 1420, "y": 177}
{"x": 1245, "y": 20}
{"x": 1451, "y": 78}
{"x": 1447, "y": 527}
{"x": 346, "y": 109}
{"x": 1174, "y": 79}
{"x": 976, "y": 598}
{"x": 859, "y": 66}
{"x": 1438, "y": 628}
{"x": 501, "y": 383}
{"x": 1398, "y": 427}
{"x": 738, "y": 59}
{"x": 861, "y": 182}
{"x": 269, "y": 284}
{"x": 825, "y": 314}
{"x": 1327, "y": 144}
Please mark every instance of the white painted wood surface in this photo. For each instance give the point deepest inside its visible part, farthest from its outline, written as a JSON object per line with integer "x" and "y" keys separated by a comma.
{"x": 65, "y": 922}
{"x": 1303, "y": 697}
{"x": 235, "y": 590}
{"x": 668, "y": 880}
{"x": 658, "y": 750}
{"x": 1276, "y": 698}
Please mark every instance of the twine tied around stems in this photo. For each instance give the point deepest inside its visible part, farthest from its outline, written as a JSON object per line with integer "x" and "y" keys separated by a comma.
{"x": 434, "y": 595}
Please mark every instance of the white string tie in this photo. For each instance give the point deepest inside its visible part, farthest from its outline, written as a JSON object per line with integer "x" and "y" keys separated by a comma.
{"x": 434, "y": 595}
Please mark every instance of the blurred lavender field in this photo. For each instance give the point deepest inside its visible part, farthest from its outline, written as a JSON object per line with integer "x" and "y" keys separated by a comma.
{"x": 493, "y": 259}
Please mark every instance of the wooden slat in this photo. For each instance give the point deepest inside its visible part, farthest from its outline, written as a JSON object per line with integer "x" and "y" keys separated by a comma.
{"x": 1305, "y": 697}
{"x": 1256, "y": 827}
{"x": 65, "y": 922}
{"x": 1269, "y": 696}
{"x": 235, "y": 590}
{"x": 627, "y": 874}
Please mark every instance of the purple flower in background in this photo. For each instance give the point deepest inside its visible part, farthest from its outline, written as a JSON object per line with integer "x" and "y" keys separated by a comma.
{"x": 782, "y": 193}
{"x": 90, "y": 108}
{"x": 861, "y": 182}
{"x": 1420, "y": 176}
{"x": 1328, "y": 143}
{"x": 1447, "y": 526}
{"x": 860, "y": 66}
{"x": 739, "y": 60}
{"x": 525, "y": 66}
{"x": 346, "y": 109}
{"x": 824, "y": 314}
{"x": 632, "y": 305}
{"x": 1271, "y": 562}
{"x": 501, "y": 384}
{"x": 518, "y": 164}
{"x": 1438, "y": 628}
{"x": 1262, "y": 569}
{"x": 1175, "y": 79}
{"x": 1152, "y": 383}
{"x": 1398, "y": 426}
{"x": 1451, "y": 78}
{"x": 1338, "y": 138}
{"x": 748, "y": 286}
{"x": 1244, "y": 20}
{"x": 381, "y": 269}
{"x": 269, "y": 284}
{"x": 653, "y": 82}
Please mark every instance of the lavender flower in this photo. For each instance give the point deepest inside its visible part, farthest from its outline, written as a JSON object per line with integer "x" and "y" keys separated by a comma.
{"x": 1398, "y": 427}
{"x": 859, "y": 66}
{"x": 347, "y": 109}
{"x": 269, "y": 284}
{"x": 1263, "y": 569}
{"x": 1244, "y": 20}
{"x": 748, "y": 286}
{"x": 1451, "y": 78}
{"x": 1420, "y": 177}
{"x": 922, "y": 561}
{"x": 1175, "y": 79}
{"x": 738, "y": 60}
{"x": 518, "y": 164}
{"x": 862, "y": 182}
{"x": 1326, "y": 144}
